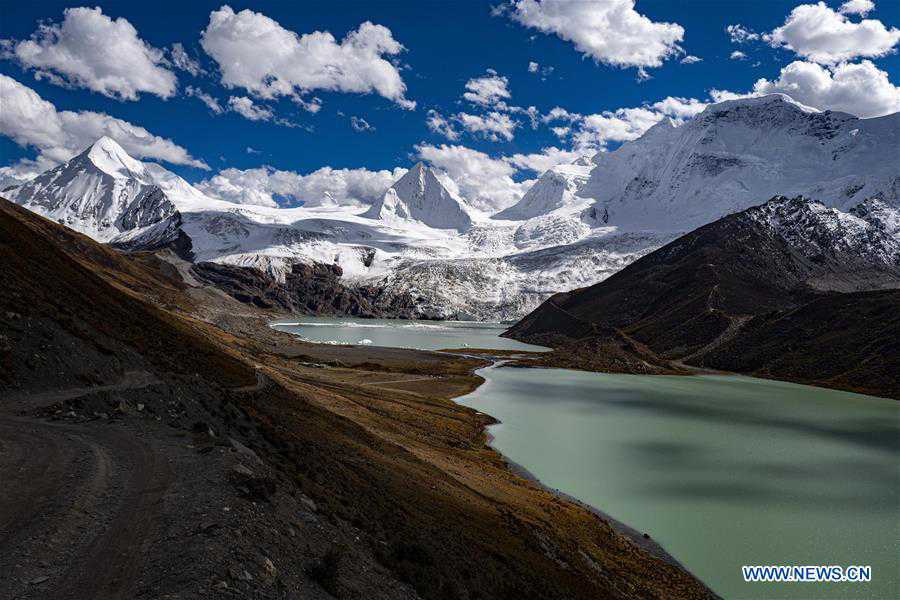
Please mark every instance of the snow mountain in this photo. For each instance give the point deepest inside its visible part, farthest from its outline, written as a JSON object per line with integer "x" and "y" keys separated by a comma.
{"x": 737, "y": 154}
{"x": 556, "y": 189}
{"x": 420, "y": 196}
{"x": 576, "y": 226}
{"x": 102, "y": 192}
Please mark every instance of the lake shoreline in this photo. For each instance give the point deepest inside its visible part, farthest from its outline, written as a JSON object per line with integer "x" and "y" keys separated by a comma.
{"x": 648, "y": 544}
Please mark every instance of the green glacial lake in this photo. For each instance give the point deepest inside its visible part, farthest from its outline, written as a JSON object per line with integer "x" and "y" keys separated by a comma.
{"x": 394, "y": 333}
{"x": 722, "y": 471}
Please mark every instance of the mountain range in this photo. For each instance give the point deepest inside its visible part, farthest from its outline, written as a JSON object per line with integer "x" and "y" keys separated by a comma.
{"x": 577, "y": 225}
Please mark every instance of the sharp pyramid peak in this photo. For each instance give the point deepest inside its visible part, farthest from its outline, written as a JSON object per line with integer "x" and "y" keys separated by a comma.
{"x": 108, "y": 156}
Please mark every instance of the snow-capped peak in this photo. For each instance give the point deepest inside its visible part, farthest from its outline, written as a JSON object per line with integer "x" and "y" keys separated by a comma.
{"x": 420, "y": 196}
{"x": 102, "y": 192}
{"x": 767, "y": 101}
{"x": 108, "y": 156}
{"x": 557, "y": 188}
{"x": 737, "y": 154}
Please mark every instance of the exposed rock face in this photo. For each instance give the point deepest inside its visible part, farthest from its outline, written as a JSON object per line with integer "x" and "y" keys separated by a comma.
{"x": 307, "y": 289}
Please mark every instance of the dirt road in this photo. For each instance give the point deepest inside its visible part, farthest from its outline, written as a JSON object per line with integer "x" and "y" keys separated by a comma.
{"x": 78, "y": 506}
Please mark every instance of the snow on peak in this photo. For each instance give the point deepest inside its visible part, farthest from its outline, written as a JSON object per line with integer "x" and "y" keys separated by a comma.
{"x": 816, "y": 229}
{"x": 108, "y": 156}
{"x": 557, "y": 188}
{"x": 420, "y": 196}
{"x": 765, "y": 102}
{"x": 737, "y": 154}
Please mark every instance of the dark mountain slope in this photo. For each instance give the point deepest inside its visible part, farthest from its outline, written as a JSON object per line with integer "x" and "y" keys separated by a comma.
{"x": 698, "y": 295}
{"x": 204, "y": 463}
{"x": 848, "y": 341}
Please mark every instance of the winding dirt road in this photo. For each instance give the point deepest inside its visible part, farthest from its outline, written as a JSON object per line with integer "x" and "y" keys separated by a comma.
{"x": 78, "y": 502}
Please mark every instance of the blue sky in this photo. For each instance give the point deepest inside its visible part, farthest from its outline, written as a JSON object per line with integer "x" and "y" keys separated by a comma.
{"x": 446, "y": 44}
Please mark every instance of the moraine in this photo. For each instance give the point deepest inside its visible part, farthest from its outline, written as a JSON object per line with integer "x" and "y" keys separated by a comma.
{"x": 722, "y": 471}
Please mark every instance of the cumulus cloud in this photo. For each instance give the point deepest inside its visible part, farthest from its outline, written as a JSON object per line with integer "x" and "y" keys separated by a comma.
{"x": 485, "y": 183}
{"x": 91, "y": 50}
{"x": 547, "y": 158}
{"x": 31, "y": 121}
{"x": 690, "y": 59}
{"x": 266, "y": 186}
{"x": 494, "y": 126}
{"x": 441, "y": 125}
{"x": 825, "y": 36}
{"x": 590, "y": 133}
{"x": 857, "y": 7}
{"x": 487, "y": 90}
{"x": 860, "y": 89}
{"x": 205, "y": 98}
{"x": 536, "y": 68}
{"x": 738, "y": 55}
{"x": 256, "y": 53}
{"x": 181, "y": 59}
{"x": 248, "y": 109}
{"x": 313, "y": 105}
{"x": 740, "y": 34}
{"x": 609, "y": 31}
{"x": 360, "y": 124}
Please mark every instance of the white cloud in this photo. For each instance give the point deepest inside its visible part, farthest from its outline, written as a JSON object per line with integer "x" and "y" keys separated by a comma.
{"x": 738, "y": 55}
{"x": 690, "y": 59}
{"x": 493, "y": 125}
{"x": 252, "y": 150}
{"x": 181, "y": 59}
{"x": 825, "y": 36}
{"x": 360, "y": 124}
{"x": 610, "y": 31}
{"x": 208, "y": 100}
{"x": 313, "y": 105}
{"x": 91, "y": 50}
{"x": 558, "y": 113}
{"x": 439, "y": 124}
{"x": 561, "y": 132}
{"x": 543, "y": 160}
{"x": 485, "y": 183}
{"x": 248, "y": 109}
{"x": 487, "y": 90}
{"x": 265, "y": 186}
{"x": 740, "y": 34}
{"x": 679, "y": 108}
{"x": 859, "y": 89}
{"x": 594, "y": 132}
{"x": 536, "y": 68}
{"x": 258, "y": 54}
{"x": 857, "y": 7}
{"x": 31, "y": 121}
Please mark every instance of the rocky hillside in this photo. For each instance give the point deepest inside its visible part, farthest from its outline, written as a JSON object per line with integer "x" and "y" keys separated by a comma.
{"x": 695, "y": 299}
{"x": 230, "y": 459}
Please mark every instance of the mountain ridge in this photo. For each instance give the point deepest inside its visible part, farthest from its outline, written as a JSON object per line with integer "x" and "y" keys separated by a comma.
{"x": 694, "y": 297}
{"x": 578, "y": 223}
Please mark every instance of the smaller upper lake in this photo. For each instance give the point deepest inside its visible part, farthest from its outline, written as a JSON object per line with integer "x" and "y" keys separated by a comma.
{"x": 422, "y": 335}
